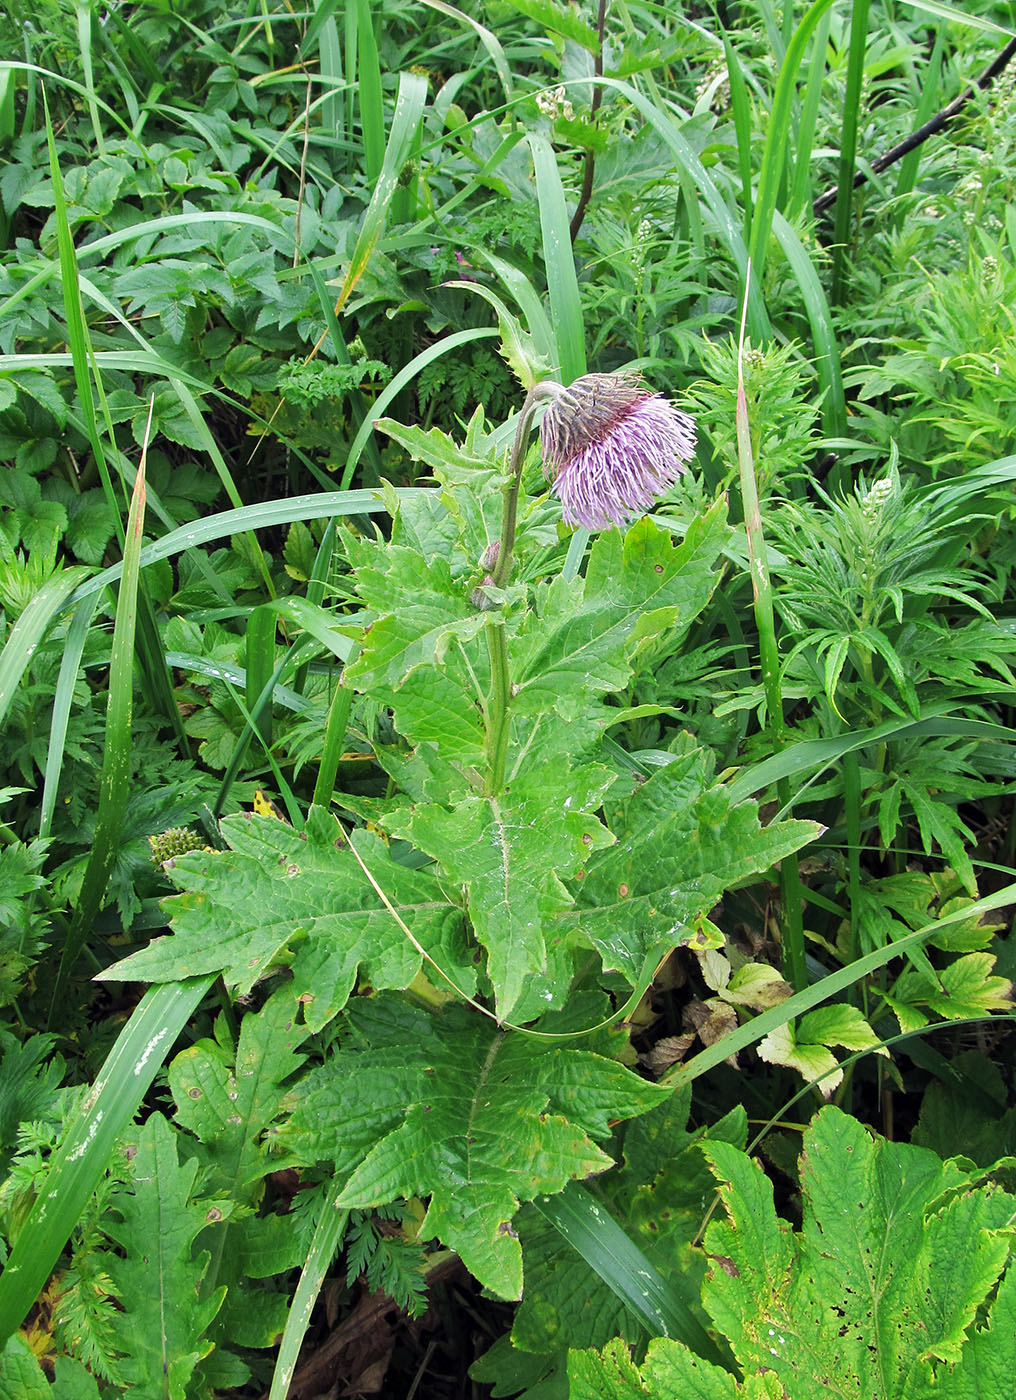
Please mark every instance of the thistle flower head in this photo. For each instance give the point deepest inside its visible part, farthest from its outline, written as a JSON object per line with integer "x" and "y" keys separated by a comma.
{"x": 612, "y": 447}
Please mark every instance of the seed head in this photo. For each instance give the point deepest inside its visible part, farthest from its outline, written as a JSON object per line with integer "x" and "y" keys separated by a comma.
{"x": 612, "y": 447}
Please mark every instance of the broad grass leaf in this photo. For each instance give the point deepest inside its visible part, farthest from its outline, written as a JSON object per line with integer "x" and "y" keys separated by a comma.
{"x": 446, "y": 1106}
{"x": 279, "y": 893}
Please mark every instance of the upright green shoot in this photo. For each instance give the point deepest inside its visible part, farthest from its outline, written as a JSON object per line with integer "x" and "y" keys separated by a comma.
{"x": 793, "y": 922}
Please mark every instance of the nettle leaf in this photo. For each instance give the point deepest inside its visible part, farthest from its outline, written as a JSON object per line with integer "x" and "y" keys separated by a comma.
{"x": 447, "y": 1106}
{"x": 510, "y": 853}
{"x": 161, "y": 1327}
{"x": 573, "y": 647}
{"x": 898, "y": 1251}
{"x": 680, "y": 844}
{"x": 283, "y": 895}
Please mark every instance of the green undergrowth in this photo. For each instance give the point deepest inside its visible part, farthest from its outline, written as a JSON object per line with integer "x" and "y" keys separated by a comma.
{"x": 440, "y": 945}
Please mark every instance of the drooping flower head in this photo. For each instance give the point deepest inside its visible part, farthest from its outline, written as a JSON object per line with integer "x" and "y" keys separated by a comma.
{"x": 612, "y": 447}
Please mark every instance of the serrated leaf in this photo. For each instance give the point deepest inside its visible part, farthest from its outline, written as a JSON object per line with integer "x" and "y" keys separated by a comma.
{"x": 411, "y": 656}
{"x": 968, "y": 989}
{"x": 510, "y": 853}
{"x": 838, "y": 1024}
{"x": 680, "y": 845}
{"x": 161, "y": 1329}
{"x": 813, "y": 1062}
{"x": 280, "y": 892}
{"x": 229, "y": 1101}
{"x": 804, "y": 1045}
{"x": 856, "y": 1303}
{"x": 572, "y": 648}
{"x": 432, "y": 447}
{"x": 446, "y": 1106}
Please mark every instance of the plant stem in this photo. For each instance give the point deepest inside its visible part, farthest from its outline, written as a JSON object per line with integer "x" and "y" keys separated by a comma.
{"x": 790, "y": 880}
{"x": 546, "y": 389}
{"x": 594, "y": 107}
{"x": 497, "y": 635}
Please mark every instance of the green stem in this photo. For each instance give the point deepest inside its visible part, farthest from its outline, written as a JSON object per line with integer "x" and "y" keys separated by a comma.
{"x": 546, "y": 389}
{"x": 794, "y": 963}
{"x": 498, "y": 724}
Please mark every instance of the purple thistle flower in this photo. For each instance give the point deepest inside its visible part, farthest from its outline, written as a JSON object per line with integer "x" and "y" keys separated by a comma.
{"x": 613, "y": 446}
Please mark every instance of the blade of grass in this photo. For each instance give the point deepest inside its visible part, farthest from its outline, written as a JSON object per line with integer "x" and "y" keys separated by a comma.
{"x": 252, "y": 718}
{"x": 260, "y": 516}
{"x": 63, "y": 697}
{"x": 741, "y": 111}
{"x": 398, "y": 382}
{"x": 56, "y": 593}
{"x": 260, "y": 659}
{"x": 927, "y": 99}
{"x": 81, "y": 1160}
{"x": 116, "y": 753}
{"x": 562, "y": 281}
{"x": 368, "y": 88}
{"x": 663, "y": 1305}
{"x": 409, "y": 106}
{"x": 779, "y": 138}
{"x": 816, "y": 756}
{"x": 327, "y": 1236}
{"x": 334, "y": 744}
{"x": 823, "y": 331}
{"x": 848, "y": 143}
{"x": 723, "y": 221}
{"x": 801, "y": 186}
{"x": 84, "y": 12}
{"x": 487, "y": 38}
{"x": 793, "y": 918}
{"x": 333, "y": 109}
{"x": 79, "y": 343}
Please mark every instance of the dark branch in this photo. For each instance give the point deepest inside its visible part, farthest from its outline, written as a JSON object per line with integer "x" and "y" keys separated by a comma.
{"x": 937, "y": 122}
{"x": 594, "y": 107}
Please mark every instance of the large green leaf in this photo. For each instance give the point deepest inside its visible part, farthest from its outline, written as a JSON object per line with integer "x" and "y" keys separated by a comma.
{"x": 228, "y": 1099}
{"x": 878, "y": 1295}
{"x": 411, "y": 656}
{"x": 161, "y": 1328}
{"x": 510, "y": 852}
{"x": 681, "y": 843}
{"x": 575, "y": 644}
{"x": 281, "y": 894}
{"x": 898, "y": 1251}
{"x": 447, "y": 1106}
